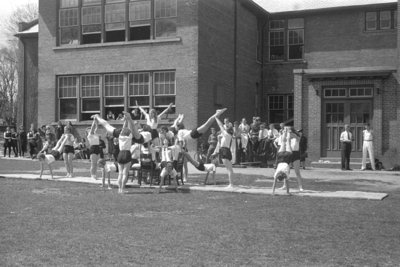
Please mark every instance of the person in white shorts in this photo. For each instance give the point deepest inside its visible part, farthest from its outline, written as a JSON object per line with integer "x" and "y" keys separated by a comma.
{"x": 106, "y": 169}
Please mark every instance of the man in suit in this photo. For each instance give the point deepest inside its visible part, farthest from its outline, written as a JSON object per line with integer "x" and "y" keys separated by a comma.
{"x": 346, "y": 138}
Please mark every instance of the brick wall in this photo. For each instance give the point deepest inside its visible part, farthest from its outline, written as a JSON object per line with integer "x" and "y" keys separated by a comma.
{"x": 217, "y": 60}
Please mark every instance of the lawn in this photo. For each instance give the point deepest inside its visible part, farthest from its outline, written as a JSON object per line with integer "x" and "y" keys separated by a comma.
{"x": 45, "y": 223}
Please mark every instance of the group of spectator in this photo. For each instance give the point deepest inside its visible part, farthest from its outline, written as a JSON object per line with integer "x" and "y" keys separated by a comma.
{"x": 255, "y": 142}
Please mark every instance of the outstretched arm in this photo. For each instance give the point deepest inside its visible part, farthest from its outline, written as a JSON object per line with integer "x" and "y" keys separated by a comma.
{"x": 220, "y": 124}
{"x": 165, "y": 111}
{"x": 131, "y": 125}
{"x": 141, "y": 109}
{"x": 94, "y": 126}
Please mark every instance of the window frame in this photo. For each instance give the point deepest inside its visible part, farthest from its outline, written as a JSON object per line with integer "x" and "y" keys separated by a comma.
{"x": 76, "y": 97}
{"x": 378, "y": 20}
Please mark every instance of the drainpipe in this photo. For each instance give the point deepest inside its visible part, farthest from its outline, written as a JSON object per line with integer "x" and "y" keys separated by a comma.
{"x": 235, "y": 58}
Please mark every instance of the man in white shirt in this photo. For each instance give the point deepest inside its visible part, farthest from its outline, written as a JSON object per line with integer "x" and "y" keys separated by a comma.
{"x": 368, "y": 147}
{"x": 346, "y": 138}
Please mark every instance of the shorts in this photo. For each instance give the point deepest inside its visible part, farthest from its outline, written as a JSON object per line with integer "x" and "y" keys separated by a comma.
{"x": 165, "y": 172}
{"x": 201, "y": 167}
{"x": 55, "y": 154}
{"x": 284, "y": 156}
{"x": 68, "y": 149}
{"x": 116, "y": 133}
{"x": 124, "y": 156}
{"x": 295, "y": 156}
{"x": 95, "y": 149}
{"x": 154, "y": 134}
{"x": 225, "y": 153}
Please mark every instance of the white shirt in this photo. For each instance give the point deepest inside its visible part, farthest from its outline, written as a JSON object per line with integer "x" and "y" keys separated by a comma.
{"x": 209, "y": 167}
{"x": 262, "y": 134}
{"x": 151, "y": 122}
{"x": 294, "y": 143}
{"x": 226, "y": 139}
{"x": 49, "y": 158}
{"x": 273, "y": 133}
{"x": 282, "y": 167}
{"x": 345, "y": 137}
{"x": 367, "y": 135}
{"x": 93, "y": 139}
{"x": 245, "y": 128}
{"x": 125, "y": 142}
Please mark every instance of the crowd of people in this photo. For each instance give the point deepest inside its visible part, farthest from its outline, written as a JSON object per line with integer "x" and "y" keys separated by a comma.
{"x": 232, "y": 143}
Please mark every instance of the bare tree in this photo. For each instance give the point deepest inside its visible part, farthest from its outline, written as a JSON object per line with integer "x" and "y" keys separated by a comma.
{"x": 24, "y": 13}
{"x": 8, "y": 59}
{"x": 8, "y": 83}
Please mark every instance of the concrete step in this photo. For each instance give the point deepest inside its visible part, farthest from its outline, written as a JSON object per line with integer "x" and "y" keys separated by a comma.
{"x": 336, "y": 163}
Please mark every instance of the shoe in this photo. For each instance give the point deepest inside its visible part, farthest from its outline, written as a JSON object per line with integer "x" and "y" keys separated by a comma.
{"x": 363, "y": 169}
{"x": 349, "y": 169}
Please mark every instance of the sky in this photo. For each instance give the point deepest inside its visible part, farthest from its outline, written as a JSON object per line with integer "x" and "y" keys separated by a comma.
{"x": 6, "y": 9}
{"x": 8, "y": 6}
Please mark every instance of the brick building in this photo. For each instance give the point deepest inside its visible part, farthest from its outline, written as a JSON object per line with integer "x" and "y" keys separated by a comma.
{"x": 317, "y": 69}
{"x": 97, "y": 56}
{"x": 331, "y": 66}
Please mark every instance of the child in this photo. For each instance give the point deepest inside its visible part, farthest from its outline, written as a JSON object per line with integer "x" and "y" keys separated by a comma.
{"x": 152, "y": 120}
{"x": 106, "y": 169}
{"x": 284, "y": 158}
{"x": 224, "y": 149}
{"x": 54, "y": 155}
{"x": 168, "y": 170}
{"x": 69, "y": 152}
{"x": 94, "y": 148}
{"x": 209, "y": 167}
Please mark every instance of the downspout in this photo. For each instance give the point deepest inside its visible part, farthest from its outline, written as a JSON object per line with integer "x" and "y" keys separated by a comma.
{"x": 235, "y": 58}
{"x": 262, "y": 65}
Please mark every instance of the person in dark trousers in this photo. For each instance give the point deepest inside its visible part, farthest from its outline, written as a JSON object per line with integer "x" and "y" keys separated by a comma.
{"x": 14, "y": 141}
{"x": 346, "y": 138}
{"x": 22, "y": 141}
{"x": 303, "y": 149}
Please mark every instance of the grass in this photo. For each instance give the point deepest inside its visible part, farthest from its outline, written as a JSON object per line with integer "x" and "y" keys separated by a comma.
{"x": 44, "y": 223}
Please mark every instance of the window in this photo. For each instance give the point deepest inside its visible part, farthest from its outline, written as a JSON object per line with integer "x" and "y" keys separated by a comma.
{"x": 68, "y": 21}
{"x": 360, "y": 92}
{"x": 335, "y": 92}
{"x": 291, "y": 48}
{"x": 116, "y": 92}
{"x": 90, "y": 93}
{"x": 91, "y": 22}
{"x": 164, "y": 89}
{"x": 67, "y": 95}
{"x": 88, "y": 22}
{"x": 296, "y": 38}
{"x": 276, "y": 40}
{"x": 140, "y": 20}
{"x": 381, "y": 20}
{"x": 280, "y": 108}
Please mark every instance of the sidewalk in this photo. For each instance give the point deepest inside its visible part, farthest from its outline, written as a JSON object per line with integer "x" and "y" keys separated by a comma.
{"x": 382, "y": 181}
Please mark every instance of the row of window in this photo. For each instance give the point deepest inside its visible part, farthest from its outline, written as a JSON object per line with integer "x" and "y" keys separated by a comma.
{"x": 98, "y": 21}
{"x": 81, "y": 96}
{"x": 286, "y": 37}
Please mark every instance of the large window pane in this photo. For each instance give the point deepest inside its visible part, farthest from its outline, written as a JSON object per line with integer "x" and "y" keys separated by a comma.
{"x": 67, "y": 87}
{"x": 166, "y": 28}
{"x": 90, "y": 86}
{"x": 140, "y": 10}
{"x": 115, "y": 13}
{"x": 370, "y": 21}
{"x": 114, "y": 85}
{"x": 68, "y": 3}
{"x": 91, "y": 15}
{"x": 68, "y": 17}
{"x": 385, "y": 20}
{"x": 91, "y": 105}
{"x": 68, "y": 109}
{"x": 165, "y": 8}
{"x": 69, "y": 35}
